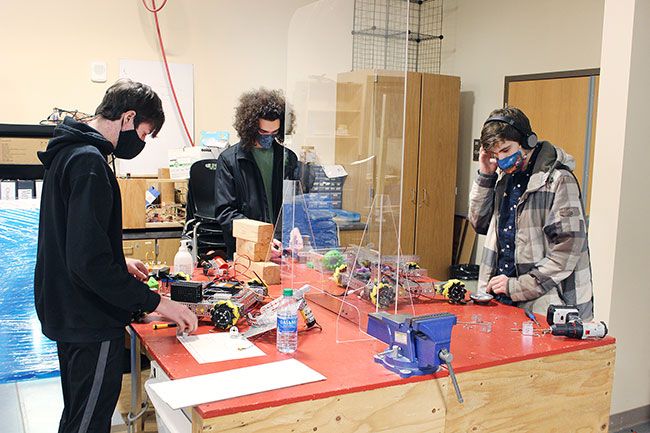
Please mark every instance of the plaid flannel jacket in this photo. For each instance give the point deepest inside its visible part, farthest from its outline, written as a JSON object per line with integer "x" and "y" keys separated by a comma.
{"x": 551, "y": 249}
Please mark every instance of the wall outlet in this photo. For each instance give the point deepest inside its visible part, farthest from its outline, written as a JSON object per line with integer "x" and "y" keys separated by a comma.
{"x": 98, "y": 72}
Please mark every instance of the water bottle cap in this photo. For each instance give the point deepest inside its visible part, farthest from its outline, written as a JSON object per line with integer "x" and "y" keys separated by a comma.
{"x": 287, "y": 292}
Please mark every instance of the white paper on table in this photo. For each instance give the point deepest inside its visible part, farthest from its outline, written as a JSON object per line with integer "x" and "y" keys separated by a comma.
{"x": 206, "y": 388}
{"x": 218, "y": 347}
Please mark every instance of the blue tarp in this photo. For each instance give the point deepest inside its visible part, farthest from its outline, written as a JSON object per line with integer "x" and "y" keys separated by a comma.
{"x": 313, "y": 216}
{"x": 25, "y": 353}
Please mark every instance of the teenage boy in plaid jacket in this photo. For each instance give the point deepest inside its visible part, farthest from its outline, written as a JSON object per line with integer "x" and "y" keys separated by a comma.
{"x": 536, "y": 252}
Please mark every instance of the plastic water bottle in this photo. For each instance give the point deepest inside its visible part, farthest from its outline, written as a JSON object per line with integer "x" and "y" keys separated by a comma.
{"x": 287, "y": 329}
{"x": 183, "y": 259}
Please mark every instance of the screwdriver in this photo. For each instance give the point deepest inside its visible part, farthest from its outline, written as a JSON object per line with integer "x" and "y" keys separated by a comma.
{"x": 531, "y": 316}
{"x": 164, "y": 325}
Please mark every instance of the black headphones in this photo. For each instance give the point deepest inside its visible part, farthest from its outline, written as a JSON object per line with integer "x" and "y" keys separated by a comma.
{"x": 530, "y": 138}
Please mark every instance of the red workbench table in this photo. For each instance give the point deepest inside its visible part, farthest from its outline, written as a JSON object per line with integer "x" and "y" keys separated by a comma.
{"x": 509, "y": 382}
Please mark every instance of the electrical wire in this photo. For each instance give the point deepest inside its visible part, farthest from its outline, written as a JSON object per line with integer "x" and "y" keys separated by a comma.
{"x": 235, "y": 263}
{"x": 58, "y": 114}
{"x": 155, "y": 11}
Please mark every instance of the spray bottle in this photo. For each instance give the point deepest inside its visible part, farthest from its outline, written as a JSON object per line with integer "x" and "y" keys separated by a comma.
{"x": 183, "y": 259}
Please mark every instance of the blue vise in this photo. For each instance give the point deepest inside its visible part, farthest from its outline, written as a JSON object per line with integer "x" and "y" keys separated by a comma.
{"x": 415, "y": 344}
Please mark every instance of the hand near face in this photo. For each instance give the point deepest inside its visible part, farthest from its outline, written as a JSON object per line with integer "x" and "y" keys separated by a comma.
{"x": 487, "y": 163}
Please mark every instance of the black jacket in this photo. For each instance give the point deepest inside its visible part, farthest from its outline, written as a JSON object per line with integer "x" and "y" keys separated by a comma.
{"x": 239, "y": 189}
{"x": 82, "y": 289}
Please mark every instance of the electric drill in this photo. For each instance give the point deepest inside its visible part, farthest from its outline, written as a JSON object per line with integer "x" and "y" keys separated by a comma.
{"x": 565, "y": 320}
{"x": 580, "y": 330}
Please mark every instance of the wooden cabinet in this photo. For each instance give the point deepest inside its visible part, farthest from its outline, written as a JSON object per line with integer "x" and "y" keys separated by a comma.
{"x": 134, "y": 209}
{"x": 141, "y": 249}
{"x": 159, "y": 250}
{"x": 167, "y": 249}
{"x": 379, "y": 112}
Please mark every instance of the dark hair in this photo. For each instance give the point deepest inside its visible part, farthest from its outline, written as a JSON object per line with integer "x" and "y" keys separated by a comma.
{"x": 261, "y": 104}
{"x": 127, "y": 95}
{"x": 495, "y": 132}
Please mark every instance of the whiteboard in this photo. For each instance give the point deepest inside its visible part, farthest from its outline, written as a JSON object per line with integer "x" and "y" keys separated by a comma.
{"x": 172, "y": 135}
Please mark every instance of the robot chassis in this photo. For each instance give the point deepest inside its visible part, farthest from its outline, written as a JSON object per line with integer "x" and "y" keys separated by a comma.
{"x": 377, "y": 281}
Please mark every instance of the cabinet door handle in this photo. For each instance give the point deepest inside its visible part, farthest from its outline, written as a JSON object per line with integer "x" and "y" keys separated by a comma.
{"x": 413, "y": 196}
{"x": 425, "y": 197}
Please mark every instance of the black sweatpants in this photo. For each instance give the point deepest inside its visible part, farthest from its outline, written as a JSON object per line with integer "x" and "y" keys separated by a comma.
{"x": 91, "y": 378}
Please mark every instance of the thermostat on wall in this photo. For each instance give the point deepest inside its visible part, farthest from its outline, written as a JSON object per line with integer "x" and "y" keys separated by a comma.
{"x": 98, "y": 72}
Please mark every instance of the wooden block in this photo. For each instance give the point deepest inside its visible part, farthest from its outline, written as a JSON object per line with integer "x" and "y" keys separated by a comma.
{"x": 257, "y": 252}
{"x": 251, "y": 230}
{"x": 268, "y": 271}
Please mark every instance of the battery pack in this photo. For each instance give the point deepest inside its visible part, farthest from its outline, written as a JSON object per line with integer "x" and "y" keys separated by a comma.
{"x": 186, "y": 291}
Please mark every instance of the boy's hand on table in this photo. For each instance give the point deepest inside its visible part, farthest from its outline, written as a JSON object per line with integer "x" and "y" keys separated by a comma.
{"x": 498, "y": 284}
{"x": 186, "y": 320}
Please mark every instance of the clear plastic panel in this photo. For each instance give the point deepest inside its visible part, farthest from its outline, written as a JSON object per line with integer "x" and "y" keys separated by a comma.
{"x": 341, "y": 222}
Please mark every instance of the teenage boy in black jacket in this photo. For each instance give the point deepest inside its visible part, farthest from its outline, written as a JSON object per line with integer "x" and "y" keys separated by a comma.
{"x": 85, "y": 291}
{"x": 250, "y": 174}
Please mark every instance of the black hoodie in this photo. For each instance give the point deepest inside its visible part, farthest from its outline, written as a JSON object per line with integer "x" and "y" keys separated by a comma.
{"x": 82, "y": 289}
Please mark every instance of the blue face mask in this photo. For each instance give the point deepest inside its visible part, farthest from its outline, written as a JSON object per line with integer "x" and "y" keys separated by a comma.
{"x": 511, "y": 163}
{"x": 265, "y": 140}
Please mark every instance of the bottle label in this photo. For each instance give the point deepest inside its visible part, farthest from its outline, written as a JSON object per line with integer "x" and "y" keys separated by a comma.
{"x": 288, "y": 324}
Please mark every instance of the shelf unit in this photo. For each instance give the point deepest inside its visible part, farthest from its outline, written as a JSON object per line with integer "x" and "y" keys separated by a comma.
{"x": 424, "y": 180}
{"x": 382, "y": 29}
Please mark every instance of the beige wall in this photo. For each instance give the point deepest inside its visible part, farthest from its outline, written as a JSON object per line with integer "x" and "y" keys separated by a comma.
{"x": 487, "y": 40}
{"x": 47, "y": 48}
{"x": 620, "y": 233}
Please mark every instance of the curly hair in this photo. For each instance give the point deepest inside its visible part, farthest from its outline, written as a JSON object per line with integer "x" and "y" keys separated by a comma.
{"x": 262, "y": 104}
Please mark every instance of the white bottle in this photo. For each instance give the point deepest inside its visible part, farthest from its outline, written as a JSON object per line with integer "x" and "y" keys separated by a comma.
{"x": 287, "y": 325}
{"x": 183, "y": 259}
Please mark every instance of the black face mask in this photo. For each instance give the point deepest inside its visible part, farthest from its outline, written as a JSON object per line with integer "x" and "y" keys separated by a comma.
{"x": 129, "y": 145}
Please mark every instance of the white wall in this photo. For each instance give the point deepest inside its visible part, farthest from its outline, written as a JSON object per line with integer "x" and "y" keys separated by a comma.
{"x": 47, "y": 48}
{"x": 620, "y": 233}
{"x": 487, "y": 40}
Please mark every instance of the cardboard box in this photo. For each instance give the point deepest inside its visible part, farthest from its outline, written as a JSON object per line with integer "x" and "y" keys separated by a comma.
{"x": 21, "y": 150}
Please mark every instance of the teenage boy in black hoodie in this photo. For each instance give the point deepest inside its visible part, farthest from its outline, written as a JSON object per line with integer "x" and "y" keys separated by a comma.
{"x": 85, "y": 290}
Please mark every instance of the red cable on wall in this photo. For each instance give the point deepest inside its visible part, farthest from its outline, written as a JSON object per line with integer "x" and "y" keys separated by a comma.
{"x": 164, "y": 56}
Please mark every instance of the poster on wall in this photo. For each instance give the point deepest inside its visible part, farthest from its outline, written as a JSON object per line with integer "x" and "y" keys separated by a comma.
{"x": 172, "y": 135}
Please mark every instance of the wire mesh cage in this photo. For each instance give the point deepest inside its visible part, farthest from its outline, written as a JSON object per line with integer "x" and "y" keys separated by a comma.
{"x": 383, "y": 28}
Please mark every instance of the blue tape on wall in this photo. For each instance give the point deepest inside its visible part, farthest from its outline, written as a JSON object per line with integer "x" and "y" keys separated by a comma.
{"x": 25, "y": 353}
